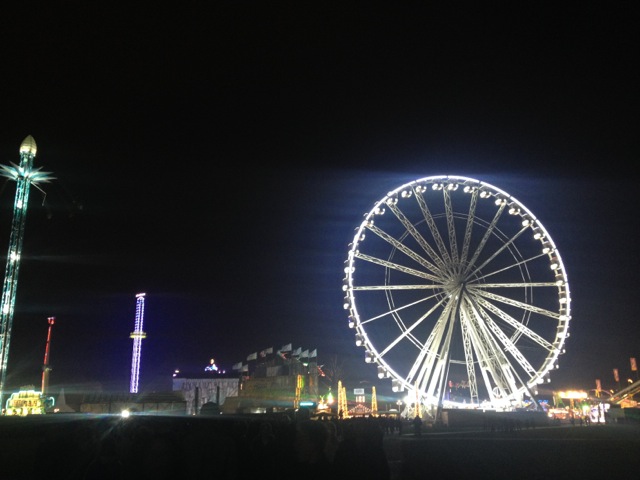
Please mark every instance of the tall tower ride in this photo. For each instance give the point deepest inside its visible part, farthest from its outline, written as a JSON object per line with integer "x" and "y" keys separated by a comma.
{"x": 137, "y": 335}
{"x": 24, "y": 175}
{"x": 46, "y": 368}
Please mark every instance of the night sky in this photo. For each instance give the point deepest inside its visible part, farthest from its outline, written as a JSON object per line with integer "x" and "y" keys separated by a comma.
{"x": 219, "y": 160}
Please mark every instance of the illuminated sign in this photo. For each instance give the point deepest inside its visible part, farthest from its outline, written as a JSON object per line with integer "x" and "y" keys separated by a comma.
{"x": 572, "y": 394}
{"x": 28, "y": 402}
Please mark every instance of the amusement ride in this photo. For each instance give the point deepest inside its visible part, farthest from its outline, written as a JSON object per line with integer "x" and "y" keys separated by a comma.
{"x": 25, "y": 175}
{"x": 450, "y": 280}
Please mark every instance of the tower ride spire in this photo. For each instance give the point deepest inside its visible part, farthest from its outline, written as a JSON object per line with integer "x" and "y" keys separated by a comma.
{"x": 138, "y": 335}
{"x": 24, "y": 175}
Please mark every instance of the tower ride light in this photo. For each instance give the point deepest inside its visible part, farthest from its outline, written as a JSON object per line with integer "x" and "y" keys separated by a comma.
{"x": 137, "y": 335}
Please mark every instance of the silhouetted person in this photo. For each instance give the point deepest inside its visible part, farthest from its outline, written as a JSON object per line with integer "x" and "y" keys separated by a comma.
{"x": 417, "y": 426}
{"x": 333, "y": 439}
{"x": 265, "y": 448}
{"x": 310, "y": 441}
{"x": 360, "y": 453}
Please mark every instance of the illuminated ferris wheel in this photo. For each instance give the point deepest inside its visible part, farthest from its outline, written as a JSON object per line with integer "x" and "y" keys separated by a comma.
{"x": 452, "y": 281}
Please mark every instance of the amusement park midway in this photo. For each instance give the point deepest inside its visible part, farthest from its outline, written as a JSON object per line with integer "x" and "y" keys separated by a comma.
{"x": 242, "y": 166}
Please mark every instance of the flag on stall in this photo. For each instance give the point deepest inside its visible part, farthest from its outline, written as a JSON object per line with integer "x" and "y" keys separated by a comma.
{"x": 297, "y": 352}
{"x": 305, "y": 354}
{"x": 313, "y": 353}
{"x": 237, "y": 366}
{"x": 266, "y": 351}
{"x": 286, "y": 348}
{"x": 253, "y": 356}
{"x": 245, "y": 368}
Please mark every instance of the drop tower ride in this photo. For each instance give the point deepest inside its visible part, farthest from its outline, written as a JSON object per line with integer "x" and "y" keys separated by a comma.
{"x": 138, "y": 335}
{"x": 24, "y": 175}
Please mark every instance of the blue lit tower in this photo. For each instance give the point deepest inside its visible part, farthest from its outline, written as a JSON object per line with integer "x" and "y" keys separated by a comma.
{"x": 137, "y": 335}
{"x": 25, "y": 176}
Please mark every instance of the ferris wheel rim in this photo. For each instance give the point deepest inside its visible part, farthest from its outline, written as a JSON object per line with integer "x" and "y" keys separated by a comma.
{"x": 374, "y": 352}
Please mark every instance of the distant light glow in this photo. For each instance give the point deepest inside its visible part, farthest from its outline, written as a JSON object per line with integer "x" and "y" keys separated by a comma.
{"x": 572, "y": 394}
{"x": 212, "y": 367}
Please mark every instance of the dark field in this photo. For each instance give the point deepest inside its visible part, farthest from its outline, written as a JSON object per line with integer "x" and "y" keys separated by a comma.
{"x": 559, "y": 452}
{"x": 61, "y": 446}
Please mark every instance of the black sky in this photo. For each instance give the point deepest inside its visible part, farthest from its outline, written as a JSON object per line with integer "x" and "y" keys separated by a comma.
{"x": 219, "y": 156}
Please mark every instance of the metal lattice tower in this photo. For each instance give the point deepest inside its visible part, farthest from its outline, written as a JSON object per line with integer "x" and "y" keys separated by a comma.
{"x": 24, "y": 175}
{"x": 46, "y": 367}
{"x": 138, "y": 335}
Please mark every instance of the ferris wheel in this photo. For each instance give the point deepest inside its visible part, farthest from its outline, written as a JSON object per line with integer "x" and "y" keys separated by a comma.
{"x": 452, "y": 281}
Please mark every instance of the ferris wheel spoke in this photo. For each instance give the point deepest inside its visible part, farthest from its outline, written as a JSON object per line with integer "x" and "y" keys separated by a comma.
{"x": 440, "y": 268}
{"x": 493, "y": 363}
{"x": 506, "y": 342}
{"x": 395, "y": 310}
{"x": 433, "y": 228}
{"x": 396, "y": 287}
{"x": 486, "y": 286}
{"x": 515, "y": 303}
{"x": 511, "y": 266}
{"x": 469, "y": 362}
{"x": 432, "y": 374}
{"x": 398, "y": 267}
{"x": 485, "y": 238}
{"x": 430, "y": 352}
{"x": 486, "y": 352}
{"x": 466, "y": 243}
{"x": 404, "y": 249}
{"x": 515, "y": 380}
{"x": 408, "y": 331}
{"x": 517, "y": 326}
{"x": 451, "y": 228}
{"x": 504, "y": 246}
